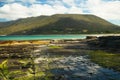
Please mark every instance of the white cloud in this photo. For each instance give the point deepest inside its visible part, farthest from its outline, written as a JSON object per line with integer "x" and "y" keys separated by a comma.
{"x": 13, "y": 11}
{"x": 69, "y": 2}
{"x": 37, "y": 10}
{"x": 107, "y": 10}
{"x": 8, "y": 1}
{"x": 75, "y": 10}
{"x": 24, "y": 1}
{"x": 28, "y": 1}
{"x": 60, "y": 9}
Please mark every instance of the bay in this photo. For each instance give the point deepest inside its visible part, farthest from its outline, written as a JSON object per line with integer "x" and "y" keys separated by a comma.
{"x": 43, "y": 37}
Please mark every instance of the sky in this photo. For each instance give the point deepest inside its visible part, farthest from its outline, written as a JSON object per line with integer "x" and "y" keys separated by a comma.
{"x": 15, "y": 9}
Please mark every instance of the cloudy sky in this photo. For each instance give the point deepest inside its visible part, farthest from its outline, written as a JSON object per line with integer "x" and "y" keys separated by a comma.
{"x": 15, "y": 9}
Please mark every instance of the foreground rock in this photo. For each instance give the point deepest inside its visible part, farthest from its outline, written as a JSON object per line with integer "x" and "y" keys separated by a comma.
{"x": 108, "y": 43}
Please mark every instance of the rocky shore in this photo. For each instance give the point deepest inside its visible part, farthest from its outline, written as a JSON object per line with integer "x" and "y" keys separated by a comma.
{"x": 64, "y": 59}
{"x": 107, "y": 43}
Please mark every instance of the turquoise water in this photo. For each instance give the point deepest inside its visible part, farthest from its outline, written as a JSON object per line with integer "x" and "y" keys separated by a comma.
{"x": 40, "y": 37}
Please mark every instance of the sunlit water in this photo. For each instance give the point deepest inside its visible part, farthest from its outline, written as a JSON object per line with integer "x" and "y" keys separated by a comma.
{"x": 42, "y": 37}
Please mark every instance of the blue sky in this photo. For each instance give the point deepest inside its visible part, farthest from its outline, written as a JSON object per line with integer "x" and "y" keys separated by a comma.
{"x": 15, "y": 9}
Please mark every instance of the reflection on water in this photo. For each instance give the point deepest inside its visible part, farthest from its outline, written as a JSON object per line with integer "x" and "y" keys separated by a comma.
{"x": 77, "y": 68}
{"x": 63, "y": 67}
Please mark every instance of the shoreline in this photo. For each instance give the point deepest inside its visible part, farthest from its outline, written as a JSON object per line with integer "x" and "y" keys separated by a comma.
{"x": 50, "y": 37}
{"x": 81, "y": 56}
{"x": 49, "y": 41}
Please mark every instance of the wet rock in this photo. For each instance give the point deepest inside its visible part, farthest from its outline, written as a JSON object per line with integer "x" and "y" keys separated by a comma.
{"x": 91, "y": 37}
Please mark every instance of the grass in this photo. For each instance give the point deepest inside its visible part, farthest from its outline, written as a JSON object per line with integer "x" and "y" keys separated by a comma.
{"x": 24, "y": 42}
{"x": 106, "y": 59}
{"x": 55, "y": 47}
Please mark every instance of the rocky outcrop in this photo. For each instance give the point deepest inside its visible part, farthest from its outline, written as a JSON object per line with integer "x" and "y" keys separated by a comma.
{"x": 111, "y": 43}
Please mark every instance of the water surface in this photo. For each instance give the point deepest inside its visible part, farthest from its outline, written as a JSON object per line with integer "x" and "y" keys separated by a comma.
{"x": 40, "y": 37}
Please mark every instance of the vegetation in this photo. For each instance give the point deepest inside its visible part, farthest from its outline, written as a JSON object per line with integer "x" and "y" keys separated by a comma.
{"x": 4, "y": 73}
{"x": 58, "y": 24}
{"x": 22, "y": 66}
{"x": 55, "y": 47}
{"x": 21, "y": 62}
{"x": 106, "y": 59}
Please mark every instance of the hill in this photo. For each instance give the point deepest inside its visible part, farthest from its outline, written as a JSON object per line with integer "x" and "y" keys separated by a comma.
{"x": 58, "y": 24}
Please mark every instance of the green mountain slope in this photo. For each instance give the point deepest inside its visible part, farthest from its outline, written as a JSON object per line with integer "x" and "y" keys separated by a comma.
{"x": 58, "y": 24}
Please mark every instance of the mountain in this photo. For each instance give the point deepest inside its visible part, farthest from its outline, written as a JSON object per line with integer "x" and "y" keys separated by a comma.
{"x": 58, "y": 24}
